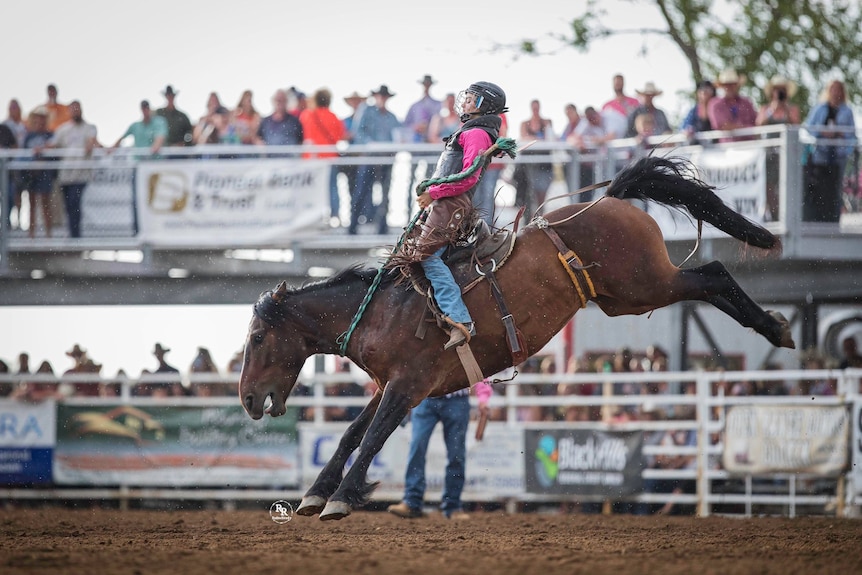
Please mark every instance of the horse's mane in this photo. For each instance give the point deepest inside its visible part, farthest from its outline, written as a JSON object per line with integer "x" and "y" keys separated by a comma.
{"x": 273, "y": 312}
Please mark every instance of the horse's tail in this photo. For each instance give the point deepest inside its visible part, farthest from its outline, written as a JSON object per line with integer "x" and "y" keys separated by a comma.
{"x": 672, "y": 182}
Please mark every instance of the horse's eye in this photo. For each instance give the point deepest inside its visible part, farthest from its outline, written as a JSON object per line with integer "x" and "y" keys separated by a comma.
{"x": 257, "y": 338}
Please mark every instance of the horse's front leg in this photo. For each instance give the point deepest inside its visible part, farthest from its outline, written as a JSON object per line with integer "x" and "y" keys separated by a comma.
{"x": 354, "y": 490}
{"x": 330, "y": 476}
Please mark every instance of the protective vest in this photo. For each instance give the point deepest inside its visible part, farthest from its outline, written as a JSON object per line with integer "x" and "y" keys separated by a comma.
{"x": 451, "y": 161}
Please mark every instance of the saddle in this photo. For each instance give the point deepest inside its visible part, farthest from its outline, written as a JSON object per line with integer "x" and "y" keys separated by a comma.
{"x": 472, "y": 260}
{"x": 467, "y": 258}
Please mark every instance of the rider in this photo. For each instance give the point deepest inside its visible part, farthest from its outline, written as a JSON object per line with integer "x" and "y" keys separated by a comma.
{"x": 479, "y": 106}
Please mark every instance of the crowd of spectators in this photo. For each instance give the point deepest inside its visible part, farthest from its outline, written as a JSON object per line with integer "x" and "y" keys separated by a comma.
{"x": 296, "y": 119}
{"x": 85, "y": 378}
{"x": 203, "y": 378}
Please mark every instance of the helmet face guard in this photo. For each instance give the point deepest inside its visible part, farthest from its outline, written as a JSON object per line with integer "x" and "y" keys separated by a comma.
{"x": 461, "y": 100}
{"x": 487, "y": 97}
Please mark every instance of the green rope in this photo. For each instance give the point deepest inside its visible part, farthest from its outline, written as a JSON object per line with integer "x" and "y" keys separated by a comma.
{"x": 502, "y": 145}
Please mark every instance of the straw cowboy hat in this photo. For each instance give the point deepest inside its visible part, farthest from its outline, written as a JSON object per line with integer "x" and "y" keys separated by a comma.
{"x": 354, "y": 97}
{"x": 729, "y": 76}
{"x": 779, "y": 80}
{"x": 649, "y": 90}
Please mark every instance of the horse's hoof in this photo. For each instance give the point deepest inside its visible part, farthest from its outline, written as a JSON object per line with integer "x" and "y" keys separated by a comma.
{"x": 311, "y": 505}
{"x": 786, "y": 338}
{"x": 335, "y": 510}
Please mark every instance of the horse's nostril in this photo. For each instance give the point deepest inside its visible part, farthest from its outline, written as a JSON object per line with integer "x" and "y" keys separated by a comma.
{"x": 249, "y": 402}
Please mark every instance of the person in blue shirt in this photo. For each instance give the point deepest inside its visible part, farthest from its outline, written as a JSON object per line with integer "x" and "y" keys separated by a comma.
{"x": 830, "y": 120}
{"x": 149, "y": 132}
{"x": 377, "y": 124}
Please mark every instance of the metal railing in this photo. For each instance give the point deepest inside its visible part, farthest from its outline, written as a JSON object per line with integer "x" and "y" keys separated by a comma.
{"x": 703, "y": 412}
{"x": 564, "y": 161}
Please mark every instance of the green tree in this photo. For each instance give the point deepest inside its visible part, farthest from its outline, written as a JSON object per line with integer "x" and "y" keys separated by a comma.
{"x": 805, "y": 40}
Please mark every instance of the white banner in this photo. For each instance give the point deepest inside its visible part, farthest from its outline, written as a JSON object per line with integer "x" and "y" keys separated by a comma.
{"x": 230, "y": 203}
{"x": 804, "y": 439}
{"x": 495, "y": 466}
{"x": 740, "y": 180}
{"x": 28, "y": 424}
{"x": 107, "y": 207}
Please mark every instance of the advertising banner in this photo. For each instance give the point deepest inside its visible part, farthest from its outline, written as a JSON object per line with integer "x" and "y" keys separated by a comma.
{"x": 583, "y": 462}
{"x": 318, "y": 443}
{"x": 773, "y": 439}
{"x": 739, "y": 177}
{"x": 174, "y": 446}
{"x": 494, "y": 466}
{"x": 26, "y": 442}
{"x": 107, "y": 206}
{"x": 230, "y": 203}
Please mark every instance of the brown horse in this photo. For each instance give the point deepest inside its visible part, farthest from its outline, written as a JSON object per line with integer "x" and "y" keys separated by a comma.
{"x": 633, "y": 275}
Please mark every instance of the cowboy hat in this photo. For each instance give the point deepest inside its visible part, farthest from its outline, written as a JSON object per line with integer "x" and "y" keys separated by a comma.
{"x": 353, "y": 96}
{"x": 729, "y": 76}
{"x": 427, "y": 80}
{"x": 76, "y": 351}
{"x": 159, "y": 350}
{"x": 382, "y": 91}
{"x": 779, "y": 80}
{"x": 169, "y": 91}
{"x": 649, "y": 90}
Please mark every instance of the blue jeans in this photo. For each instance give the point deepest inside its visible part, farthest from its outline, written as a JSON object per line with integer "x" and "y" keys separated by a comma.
{"x": 334, "y": 200}
{"x": 454, "y": 413}
{"x": 447, "y": 293}
{"x": 72, "y": 194}
{"x": 362, "y": 203}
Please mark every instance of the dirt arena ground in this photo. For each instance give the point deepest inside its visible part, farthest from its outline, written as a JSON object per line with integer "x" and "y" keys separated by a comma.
{"x": 57, "y": 540}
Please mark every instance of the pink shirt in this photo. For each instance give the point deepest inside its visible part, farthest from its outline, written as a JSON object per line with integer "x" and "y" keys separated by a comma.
{"x": 473, "y": 142}
{"x": 725, "y": 114}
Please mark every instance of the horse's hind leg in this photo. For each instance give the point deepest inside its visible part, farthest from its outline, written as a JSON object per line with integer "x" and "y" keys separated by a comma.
{"x": 330, "y": 476}
{"x": 354, "y": 490}
{"x": 721, "y": 290}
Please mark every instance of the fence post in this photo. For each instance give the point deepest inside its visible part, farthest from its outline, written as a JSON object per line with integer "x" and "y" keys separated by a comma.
{"x": 5, "y": 222}
{"x": 702, "y": 388}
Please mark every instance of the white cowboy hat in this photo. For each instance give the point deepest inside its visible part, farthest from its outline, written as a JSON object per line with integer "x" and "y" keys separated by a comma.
{"x": 779, "y": 80}
{"x": 729, "y": 76}
{"x": 649, "y": 90}
{"x": 354, "y": 97}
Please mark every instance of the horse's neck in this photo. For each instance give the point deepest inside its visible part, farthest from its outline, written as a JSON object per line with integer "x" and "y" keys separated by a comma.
{"x": 331, "y": 312}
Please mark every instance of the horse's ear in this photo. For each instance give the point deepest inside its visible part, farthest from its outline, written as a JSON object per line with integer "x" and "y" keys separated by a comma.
{"x": 280, "y": 292}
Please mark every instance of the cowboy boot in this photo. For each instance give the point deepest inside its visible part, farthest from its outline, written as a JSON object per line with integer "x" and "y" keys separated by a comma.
{"x": 460, "y": 333}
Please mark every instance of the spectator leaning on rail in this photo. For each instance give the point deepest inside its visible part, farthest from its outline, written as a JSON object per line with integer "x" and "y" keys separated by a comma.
{"x": 731, "y": 111}
{"x": 149, "y": 132}
{"x": 450, "y": 204}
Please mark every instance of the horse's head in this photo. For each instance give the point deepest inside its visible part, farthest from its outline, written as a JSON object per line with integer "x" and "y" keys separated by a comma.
{"x": 275, "y": 351}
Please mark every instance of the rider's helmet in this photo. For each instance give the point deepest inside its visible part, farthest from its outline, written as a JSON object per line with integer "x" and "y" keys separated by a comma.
{"x": 490, "y": 99}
